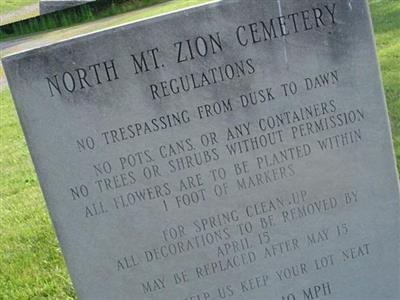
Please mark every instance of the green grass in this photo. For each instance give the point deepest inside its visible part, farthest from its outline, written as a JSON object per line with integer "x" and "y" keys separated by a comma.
{"x": 31, "y": 264}
{"x": 7, "y": 6}
{"x": 386, "y": 18}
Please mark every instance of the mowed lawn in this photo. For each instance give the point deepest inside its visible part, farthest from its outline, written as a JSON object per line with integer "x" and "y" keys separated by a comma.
{"x": 386, "y": 19}
{"x": 12, "y": 5}
{"x": 15, "y": 10}
{"x": 31, "y": 264}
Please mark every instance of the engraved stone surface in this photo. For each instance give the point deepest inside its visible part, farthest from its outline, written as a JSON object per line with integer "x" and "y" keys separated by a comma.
{"x": 235, "y": 150}
{"x": 48, "y": 6}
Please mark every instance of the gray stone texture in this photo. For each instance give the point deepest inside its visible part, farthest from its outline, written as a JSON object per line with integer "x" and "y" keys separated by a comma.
{"x": 135, "y": 154}
{"x": 49, "y": 6}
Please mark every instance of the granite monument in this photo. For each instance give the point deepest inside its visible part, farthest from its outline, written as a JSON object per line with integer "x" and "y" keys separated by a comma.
{"x": 235, "y": 150}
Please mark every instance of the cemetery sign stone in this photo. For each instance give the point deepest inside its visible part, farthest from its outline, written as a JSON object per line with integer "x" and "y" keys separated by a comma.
{"x": 235, "y": 150}
{"x": 49, "y": 6}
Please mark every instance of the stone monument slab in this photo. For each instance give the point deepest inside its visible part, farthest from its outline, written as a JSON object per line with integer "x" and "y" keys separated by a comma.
{"x": 49, "y": 6}
{"x": 237, "y": 150}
